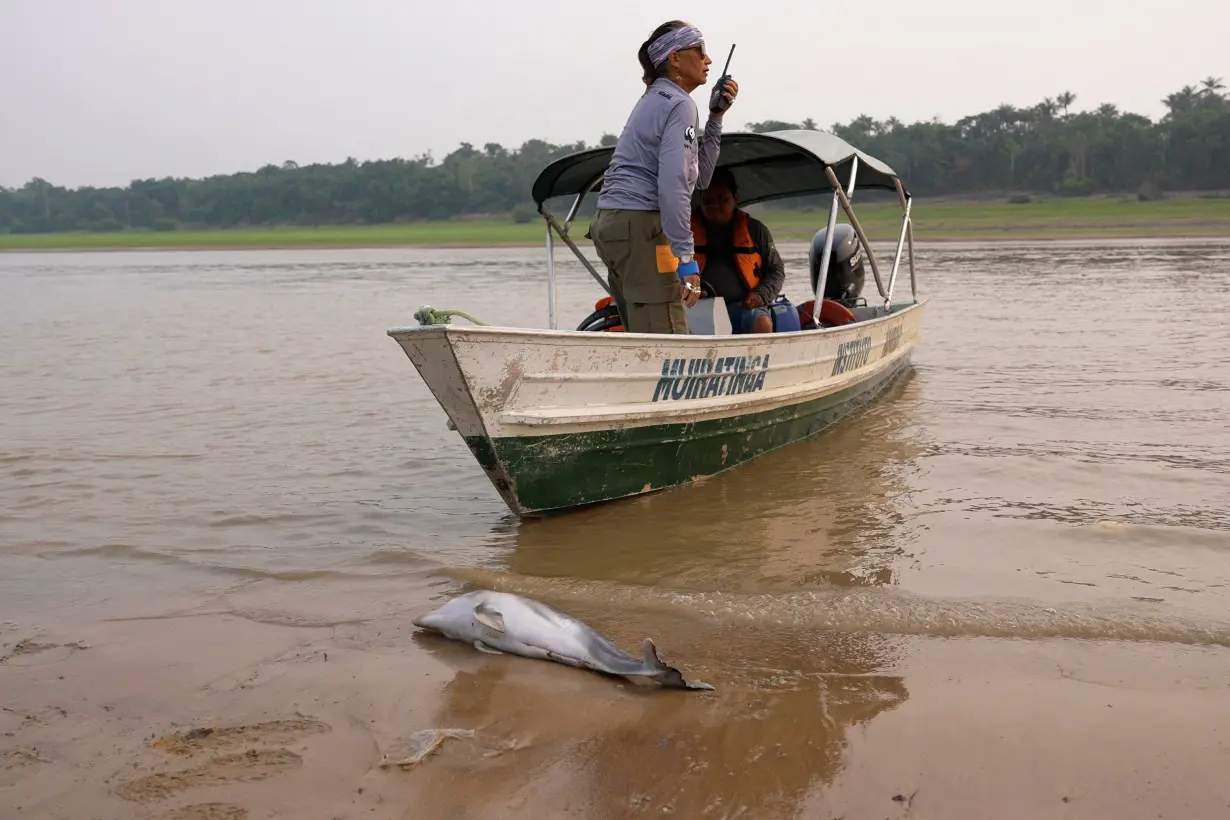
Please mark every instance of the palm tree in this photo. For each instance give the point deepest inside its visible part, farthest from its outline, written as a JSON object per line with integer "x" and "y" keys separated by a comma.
{"x": 1006, "y": 115}
{"x": 1182, "y": 100}
{"x": 1065, "y": 101}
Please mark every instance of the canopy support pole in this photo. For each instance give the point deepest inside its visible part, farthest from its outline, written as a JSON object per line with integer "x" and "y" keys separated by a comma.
{"x": 827, "y": 254}
{"x": 892, "y": 277}
{"x": 552, "y": 222}
{"x": 550, "y": 280}
{"x": 858, "y": 228}
{"x": 909, "y": 238}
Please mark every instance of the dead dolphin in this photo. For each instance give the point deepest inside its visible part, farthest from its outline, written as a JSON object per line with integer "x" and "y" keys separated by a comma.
{"x": 498, "y": 622}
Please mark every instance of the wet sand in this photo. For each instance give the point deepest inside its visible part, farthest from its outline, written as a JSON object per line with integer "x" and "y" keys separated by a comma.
{"x": 1002, "y": 592}
{"x": 198, "y": 712}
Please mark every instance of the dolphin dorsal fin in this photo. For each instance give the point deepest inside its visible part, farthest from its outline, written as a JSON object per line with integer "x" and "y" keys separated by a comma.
{"x": 489, "y": 617}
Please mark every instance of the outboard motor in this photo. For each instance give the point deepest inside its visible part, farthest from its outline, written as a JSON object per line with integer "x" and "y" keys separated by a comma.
{"x": 846, "y": 274}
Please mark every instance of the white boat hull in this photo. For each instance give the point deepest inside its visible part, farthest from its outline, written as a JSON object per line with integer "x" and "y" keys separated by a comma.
{"x": 559, "y": 419}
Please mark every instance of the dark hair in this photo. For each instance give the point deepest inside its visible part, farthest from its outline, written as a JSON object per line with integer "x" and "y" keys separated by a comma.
{"x": 651, "y": 71}
{"x": 724, "y": 176}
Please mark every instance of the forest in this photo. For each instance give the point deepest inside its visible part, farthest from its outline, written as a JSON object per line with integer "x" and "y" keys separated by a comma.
{"x": 1045, "y": 149}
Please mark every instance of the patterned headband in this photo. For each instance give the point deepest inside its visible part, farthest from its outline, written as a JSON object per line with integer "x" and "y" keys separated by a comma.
{"x": 672, "y": 41}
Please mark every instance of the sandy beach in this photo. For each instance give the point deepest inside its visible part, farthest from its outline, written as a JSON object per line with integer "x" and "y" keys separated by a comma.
{"x": 241, "y": 708}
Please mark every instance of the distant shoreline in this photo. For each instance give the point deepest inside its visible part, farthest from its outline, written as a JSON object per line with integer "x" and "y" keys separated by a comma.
{"x": 918, "y": 242}
{"x": 1177, "y": 216}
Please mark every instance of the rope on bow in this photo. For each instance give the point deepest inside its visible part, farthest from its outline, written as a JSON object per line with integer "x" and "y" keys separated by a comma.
{"x": 427, "y": 315}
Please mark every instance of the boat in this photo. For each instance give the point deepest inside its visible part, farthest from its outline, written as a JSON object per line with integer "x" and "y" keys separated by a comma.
{"x": 560, "y": 419}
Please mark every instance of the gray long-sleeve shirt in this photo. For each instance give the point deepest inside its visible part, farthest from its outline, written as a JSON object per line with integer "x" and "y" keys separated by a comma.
{"x": 658, "y": 162}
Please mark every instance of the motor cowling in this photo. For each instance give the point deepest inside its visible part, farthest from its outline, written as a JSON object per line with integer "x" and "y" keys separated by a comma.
{"x": 846, "y": 275}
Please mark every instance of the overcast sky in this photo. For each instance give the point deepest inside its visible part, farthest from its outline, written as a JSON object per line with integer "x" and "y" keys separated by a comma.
{"x": 99, "y": 92}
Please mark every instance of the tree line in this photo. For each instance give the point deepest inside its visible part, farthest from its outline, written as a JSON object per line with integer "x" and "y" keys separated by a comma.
{"x": 1046, "y": 148}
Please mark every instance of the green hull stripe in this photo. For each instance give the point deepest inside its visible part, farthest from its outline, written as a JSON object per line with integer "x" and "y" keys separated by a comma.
{"x": 537, "y": 474}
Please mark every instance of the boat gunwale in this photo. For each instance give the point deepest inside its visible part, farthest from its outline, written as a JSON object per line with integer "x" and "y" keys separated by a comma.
{"x": 691, "y": 339}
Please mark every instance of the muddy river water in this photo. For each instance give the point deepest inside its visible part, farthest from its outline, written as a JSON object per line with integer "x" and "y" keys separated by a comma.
{"x": 1002, "y": 591}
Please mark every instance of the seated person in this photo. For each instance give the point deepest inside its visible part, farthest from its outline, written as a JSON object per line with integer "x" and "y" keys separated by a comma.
{"x": 737, "y": 258}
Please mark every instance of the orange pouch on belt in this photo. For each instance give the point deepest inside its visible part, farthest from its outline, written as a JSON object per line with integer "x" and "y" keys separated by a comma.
{"x": 667, "y": 261}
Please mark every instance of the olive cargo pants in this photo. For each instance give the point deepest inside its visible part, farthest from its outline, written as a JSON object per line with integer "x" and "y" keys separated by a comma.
{"x": 640, "y": 270}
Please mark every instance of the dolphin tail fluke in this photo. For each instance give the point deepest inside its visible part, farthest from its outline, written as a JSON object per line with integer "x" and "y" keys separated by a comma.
{"x": 666, "y": 675}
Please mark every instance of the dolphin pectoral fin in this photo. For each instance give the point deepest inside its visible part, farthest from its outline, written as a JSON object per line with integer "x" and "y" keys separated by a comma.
{"x": 482, "y": 647}
{"x": 564, "y": 659}
{"x": 489, "y": 617}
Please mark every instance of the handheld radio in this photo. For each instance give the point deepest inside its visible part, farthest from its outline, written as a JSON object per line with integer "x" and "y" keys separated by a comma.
{"x": 717, "y": 102}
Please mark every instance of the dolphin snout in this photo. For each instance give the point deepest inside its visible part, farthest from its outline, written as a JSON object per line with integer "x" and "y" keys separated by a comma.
{"x": 423, "y": 621}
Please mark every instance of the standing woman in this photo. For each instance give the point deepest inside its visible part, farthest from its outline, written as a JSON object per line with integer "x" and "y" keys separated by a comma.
{"x": 643, "y": 227}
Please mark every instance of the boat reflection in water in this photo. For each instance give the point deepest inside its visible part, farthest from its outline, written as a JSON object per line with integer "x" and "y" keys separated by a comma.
{"x": 830, "y": 511}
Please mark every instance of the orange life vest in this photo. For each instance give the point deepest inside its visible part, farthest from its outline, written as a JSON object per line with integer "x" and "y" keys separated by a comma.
{"x": 747, "y": 258}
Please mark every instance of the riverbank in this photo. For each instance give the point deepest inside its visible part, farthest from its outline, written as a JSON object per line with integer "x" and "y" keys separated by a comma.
{"x": 935, "y": 220}
{"x": 238, "y": 707}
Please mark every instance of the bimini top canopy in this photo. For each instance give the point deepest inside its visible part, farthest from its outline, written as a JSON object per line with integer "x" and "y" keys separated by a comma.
{"x": 766, "y": 166}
